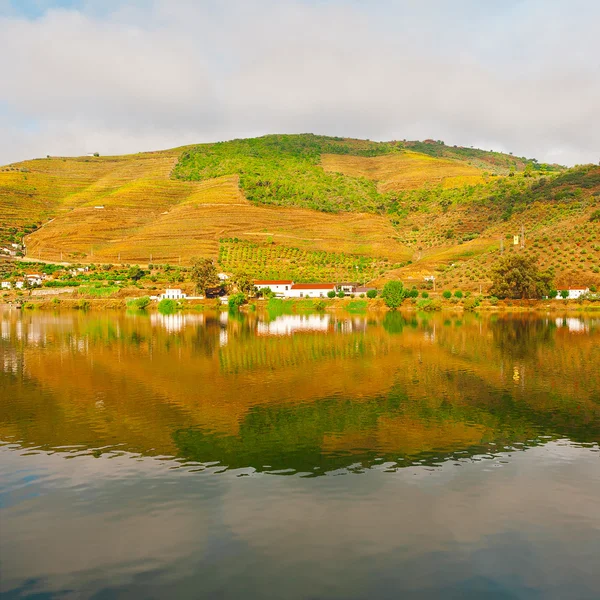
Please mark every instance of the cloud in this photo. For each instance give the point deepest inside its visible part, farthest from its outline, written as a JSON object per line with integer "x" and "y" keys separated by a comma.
{"x": 129, "y": 76}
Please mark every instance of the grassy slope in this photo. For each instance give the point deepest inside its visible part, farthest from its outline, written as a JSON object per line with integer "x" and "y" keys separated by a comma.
{"x": 309, "y": 207}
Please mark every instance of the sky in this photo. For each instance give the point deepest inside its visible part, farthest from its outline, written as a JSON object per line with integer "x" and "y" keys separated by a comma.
{"x": 120, "y": 76}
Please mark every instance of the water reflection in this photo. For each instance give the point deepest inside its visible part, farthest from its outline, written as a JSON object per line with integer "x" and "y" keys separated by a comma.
{"x": 297, "y": 393}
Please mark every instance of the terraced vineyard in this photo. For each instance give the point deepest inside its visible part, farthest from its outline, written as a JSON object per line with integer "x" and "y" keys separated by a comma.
{"x": 308, "y": 207}
{"x": 275, "y": 261}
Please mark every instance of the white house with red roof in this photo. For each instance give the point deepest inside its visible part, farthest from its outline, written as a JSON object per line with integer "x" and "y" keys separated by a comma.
{"x": 280, "y": 287}
{"x": 311, "y": 290}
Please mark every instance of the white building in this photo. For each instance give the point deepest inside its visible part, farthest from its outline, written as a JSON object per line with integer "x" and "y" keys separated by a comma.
{"x": 6, "y": 285}
{"x": 310, "y": 290}
{"x": 280, "y": 287}
{"x": 574, "y": 293}
{"x": 173, "y": 294}
{"x": 34, "y": 279}
{"x": 19, "y": 285}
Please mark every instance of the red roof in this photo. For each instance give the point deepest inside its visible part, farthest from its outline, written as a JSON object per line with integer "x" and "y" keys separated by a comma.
{"x": 313, "y": 286}
{"x": 274, "y": 282}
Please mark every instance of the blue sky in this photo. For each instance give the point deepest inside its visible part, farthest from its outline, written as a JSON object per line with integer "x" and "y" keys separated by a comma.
{"x": 122, "y": 76}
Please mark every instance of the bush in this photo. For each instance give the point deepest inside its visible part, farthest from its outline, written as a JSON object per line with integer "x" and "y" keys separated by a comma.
{"x": 319, "y": 305}
{"x": 83, "y": 305}
{"x": 236, "y": 300}
{"x": 371, "y": 294}
{"x": 167, "y": 306}
{"x": 493, "y": 300}
{"x": 447, "y": 294}
{"x": 458, "y": 294}
{"x": 414, "y": 293}
{"x": 552, "y": 294}
{"x": 139, "y": 303}
{"x": 424, "y": 295}
{"x": 593, "y": 289}
{"x": 393, "y": 293}
{"x": 471, "y": 303}
{"x": 564, "y": 294}
{"x": 341, "y": 294}
{"x": 331, "y": 294}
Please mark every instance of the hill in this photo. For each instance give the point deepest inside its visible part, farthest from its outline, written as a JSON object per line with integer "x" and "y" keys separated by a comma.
{"x": 309, "y": 207}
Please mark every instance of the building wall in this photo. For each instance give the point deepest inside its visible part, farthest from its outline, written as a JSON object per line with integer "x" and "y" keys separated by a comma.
{"x": 318, "y": 293}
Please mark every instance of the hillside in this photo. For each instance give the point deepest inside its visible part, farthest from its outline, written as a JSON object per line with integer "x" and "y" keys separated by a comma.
{"x": 308, "y": 207}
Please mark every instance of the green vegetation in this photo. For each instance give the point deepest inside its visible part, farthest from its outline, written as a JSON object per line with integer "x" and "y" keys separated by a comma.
{"x": 236, "y": 300}
{"x": 393, "y": 294}
{"x": 204, "y": 274}
{"x": 139, "y": 303}
{"x": 276, "y": 261}
{"x": 285, "y": 170}
{"x": 371, "y": 294}
{"x": 517, "y": 276}
{"x": 167, "y": 306}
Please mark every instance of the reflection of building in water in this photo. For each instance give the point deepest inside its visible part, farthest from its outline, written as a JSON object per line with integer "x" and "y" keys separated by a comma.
{"x": 572, "y": 324}
{"x": 9, "y": 361}
{"x": 288, "y": 324}
{"x": 176, "y": 321}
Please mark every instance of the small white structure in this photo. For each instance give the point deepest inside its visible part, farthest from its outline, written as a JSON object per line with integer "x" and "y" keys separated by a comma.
{"x": 172, "y": 294}
{"x": 99, "y": 207}
{"x": 280, "y": 287}
{"x": 6, "y": 285}
{"x": 311, "y": 290}
{"x": 574, "y": 293}
{"x": 222, "y": 276}
{"x": 19, "y": 285}
{"x": 34, "y": 279}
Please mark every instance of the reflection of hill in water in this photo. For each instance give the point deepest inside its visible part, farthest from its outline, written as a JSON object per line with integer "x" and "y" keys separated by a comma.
{"x": 239, "y": 392}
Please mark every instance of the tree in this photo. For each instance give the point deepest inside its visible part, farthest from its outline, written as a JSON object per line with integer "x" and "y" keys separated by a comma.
{"x": 371, "y": 294}
{"x": 517, "y": 276}
{"x": 458, "y": 294}
{"x": 341, "y": 294}
{"x": 204, "y": 274}
{"x": 244, "y": 284}
{"x": 135, "y": 273}
{"x": 236, "y": 300}
{"x": 447, "y": 294}
{"x": 331, "y": 294}
{"x": 564, "y": 294}
{"x": 393, "y": 294}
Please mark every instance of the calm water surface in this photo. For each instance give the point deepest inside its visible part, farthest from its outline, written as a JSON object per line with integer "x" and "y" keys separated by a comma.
{"x": 275, "y": 456}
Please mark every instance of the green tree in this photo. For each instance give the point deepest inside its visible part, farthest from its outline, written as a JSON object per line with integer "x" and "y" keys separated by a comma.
{"x": 341, "y": 294}
{"x": 236, "y": 300}
{"x": 135, "y": 273}
{"x": 564, "y": 294}
{"x": 204, "y": 274}
{"x": 447, "y": 294}
{"x": 517, "y": 276}
{"x": 393, "y": 293}
{"x": 331, "y": 294}
{"x": 372, "y": 294}
{"x": 244, "y": 284}
{"x": 458, "y": 294}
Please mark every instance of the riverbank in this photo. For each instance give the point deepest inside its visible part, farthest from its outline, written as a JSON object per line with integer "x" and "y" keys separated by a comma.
{"x": 298, "y": 306}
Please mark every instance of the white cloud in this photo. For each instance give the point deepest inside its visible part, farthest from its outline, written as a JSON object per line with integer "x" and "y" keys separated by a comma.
{"x": 131, "y": 76}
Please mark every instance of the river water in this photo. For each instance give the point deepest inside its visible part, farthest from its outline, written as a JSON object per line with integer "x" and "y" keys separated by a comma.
{"x": 267, "y": 455}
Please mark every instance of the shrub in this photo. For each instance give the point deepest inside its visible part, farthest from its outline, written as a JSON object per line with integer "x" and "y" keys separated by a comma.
{"x": 458, "y": 294}
{"x": 393, "y": 293}
{"x": 371, "y": 294}
{"x": 167, "y": 306}
{"x": 139, "y": 303}
{"x": 447, "y": 294}
{"x": 593, "y": 289}
{"x": 424, "y": 295}
{"x": 341, "y": 294}
{"x": 552, "y": 294}
{"x": 83, "y": 305}
{"x": 414, "y": 293}
{"x": 319, "y": 305}
{"x": 236, "y": 300}
{"x": 471, "y": 303}
{"x": 564, "y": 294}
{"x": 331, "y": 294}
{"x": 493, "y": 300}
